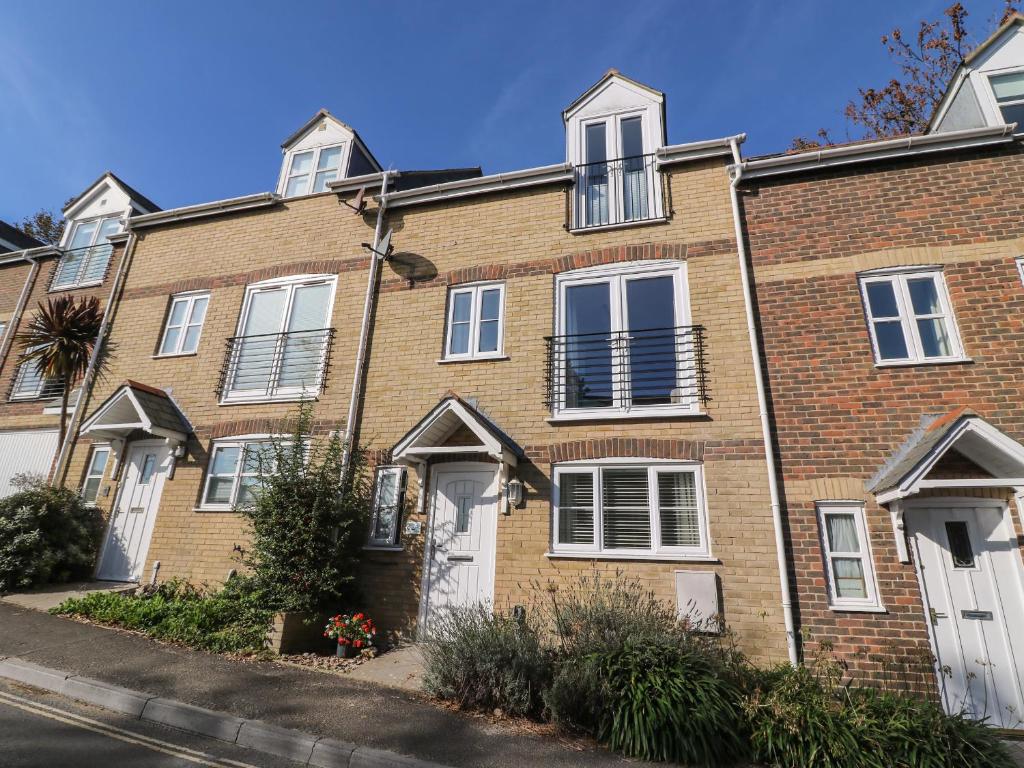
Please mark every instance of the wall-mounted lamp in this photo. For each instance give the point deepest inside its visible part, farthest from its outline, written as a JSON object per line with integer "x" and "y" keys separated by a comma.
{"x": 180, "y": 450}
{"x": 514, "y": 492}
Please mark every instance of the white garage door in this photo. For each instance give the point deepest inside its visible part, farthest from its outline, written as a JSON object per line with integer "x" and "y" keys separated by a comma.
{"x": 25, "y": 452}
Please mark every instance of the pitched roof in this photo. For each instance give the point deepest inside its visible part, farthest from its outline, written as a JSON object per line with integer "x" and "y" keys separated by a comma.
{"x": 133, "y": 193}
{"x": 16, "y": 238}
{"x": 449, "y": 415}
{"x": 138, "y": 406}
{"x": 612, "y": 73}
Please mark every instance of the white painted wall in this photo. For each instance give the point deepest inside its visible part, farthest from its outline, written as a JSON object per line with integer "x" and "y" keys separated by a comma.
{"x": 20, "y": 452}
{"x": 105, "y": 199}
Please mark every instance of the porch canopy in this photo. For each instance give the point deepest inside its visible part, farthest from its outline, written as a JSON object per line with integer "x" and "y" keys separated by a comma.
{"x": 957, "y": 450}
{"x": 136, "y": 407}
{"x": 455, "y": 426}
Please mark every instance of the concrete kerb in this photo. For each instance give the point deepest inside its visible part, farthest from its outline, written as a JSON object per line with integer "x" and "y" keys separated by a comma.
{"x": 301, "y": 747}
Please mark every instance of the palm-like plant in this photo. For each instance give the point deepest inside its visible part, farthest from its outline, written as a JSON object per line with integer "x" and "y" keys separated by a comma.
{"x": 60, "y": 339}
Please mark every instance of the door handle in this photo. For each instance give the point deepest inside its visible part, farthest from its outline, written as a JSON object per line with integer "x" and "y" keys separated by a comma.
{"x": 936, "y": 615}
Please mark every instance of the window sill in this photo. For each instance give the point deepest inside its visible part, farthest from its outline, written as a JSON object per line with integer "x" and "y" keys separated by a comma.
{"x": 858, "y": 608}
{"x": 178, "y": 354}
{"x": 626, "y": 556}
{"x": 383, "y": 548}
{"x": 478, "y": 359}
{"x": 214, "y": 509}
{"x": 264, "y": 400}
{"x": 63, "y": 288}
{"x": 918, "y": 363}
{"x": 668, "y": 413}
{"x": 619, "y": 225}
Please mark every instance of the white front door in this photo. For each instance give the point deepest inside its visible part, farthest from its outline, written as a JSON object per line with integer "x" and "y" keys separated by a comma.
{"x": 461, "y": 545}
{"x": 131, "y": 523}
{"x": 973, "y": 580}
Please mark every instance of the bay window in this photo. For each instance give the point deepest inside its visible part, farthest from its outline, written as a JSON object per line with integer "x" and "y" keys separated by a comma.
{"x": 630, "y": 509}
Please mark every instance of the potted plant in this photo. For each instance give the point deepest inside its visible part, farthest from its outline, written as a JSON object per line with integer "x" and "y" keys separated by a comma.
{"x": 354, "y": 632}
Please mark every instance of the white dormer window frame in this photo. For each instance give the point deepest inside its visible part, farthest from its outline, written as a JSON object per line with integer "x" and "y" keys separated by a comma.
{"x": 993, "y": 75}
{"x": 86, "y": 264}
{"x": 314, "y": 171}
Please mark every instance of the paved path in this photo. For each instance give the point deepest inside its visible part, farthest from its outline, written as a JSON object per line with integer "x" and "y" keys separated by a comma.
{"x": 40, "y": 729}
{"x": 327, "y": 705}
{"x": 52, "y": 595}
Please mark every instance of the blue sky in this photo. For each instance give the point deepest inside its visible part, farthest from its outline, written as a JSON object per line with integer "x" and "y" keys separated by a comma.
{"x": 189, "y": 101}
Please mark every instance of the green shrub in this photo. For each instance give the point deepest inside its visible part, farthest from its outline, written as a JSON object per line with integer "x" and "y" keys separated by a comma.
{"x": 307, "y": 520}
{"x": 484, "y": 660}
{"x": 232, "y": 619}
{"x": 576, "y": 699}
{"x": 46, "y": 535}
{"x": 670, "y": 701}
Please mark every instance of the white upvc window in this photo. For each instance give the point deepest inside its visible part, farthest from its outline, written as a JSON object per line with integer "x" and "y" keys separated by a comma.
{"x": 1020, "y": 271}
{"x": 280, "y": 350}
{"x": 623, "y": 345}
{"x": 388, "y": 500}
{"x": 235, "y": 471}
{"x": 630, "y": 509}
{"x": 30, "y": 384}
{"x": 311, "y": 170}
{"x": 910, "y": 317}
{"x": 94, "y": 473}
{"x": 87, "y": 256}
{"x": 849, "y": 568}
{"x": 184, "y": 324}
{"x": 1008, "y": 90}
{"x": 476, "y": 319}
{"x": 3, "y": 327}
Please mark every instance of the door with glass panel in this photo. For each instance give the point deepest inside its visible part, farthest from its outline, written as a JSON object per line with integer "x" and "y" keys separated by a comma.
{"x": 462, "y": 540}
{"x": 282, "y": 343}
{"x": 973, "y": 585}
{"x": 88, "y": 253}
{"x": 615, "y": 178}
{"x": 623, "y": 345}
{"x": 134, "y": 515}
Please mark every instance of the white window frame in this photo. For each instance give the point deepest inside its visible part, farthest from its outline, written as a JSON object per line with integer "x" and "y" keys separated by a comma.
{"x": 3, "y": 330}
{"x": 289, "y": 393}
{"x": 1020, "y": 272}
{"x": 866, "y": 557}
{"x": 657, "y": 550}
{"x": 915, "y": 352}
{"x": 189, "y": 299}
{"x": 618, "y": 275}
{"x": 97, "y": 448}
{"x": 994, "y": 99}
{"x": 239, "y": 442}
{"x": 288, "y": 174}
{"x": 94, "y": 248}
{"x": 401, "y": 481}
{"x": 19, "y": 380}
{"x": 476, "y": 305}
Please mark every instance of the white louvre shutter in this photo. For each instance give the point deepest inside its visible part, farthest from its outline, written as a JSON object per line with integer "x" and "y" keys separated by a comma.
{"x": 677, "y": 505}
{"x": 576, "y": 508}
{"x": 626, "y": 509}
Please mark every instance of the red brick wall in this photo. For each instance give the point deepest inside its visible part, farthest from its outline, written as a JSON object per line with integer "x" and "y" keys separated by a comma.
{"x": 838, "y": 416}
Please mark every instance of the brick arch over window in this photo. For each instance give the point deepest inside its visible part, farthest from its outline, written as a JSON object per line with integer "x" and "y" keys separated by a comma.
{"x": 264, "y": 426}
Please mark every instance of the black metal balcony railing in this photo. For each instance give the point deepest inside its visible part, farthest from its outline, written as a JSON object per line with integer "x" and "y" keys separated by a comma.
{"x": 28, "y": 384}
{"x": 617, "y": 191}
{"x": 276, "y": 365}
{"x": 627, "y": 369}
{"x": 82, "y": 266}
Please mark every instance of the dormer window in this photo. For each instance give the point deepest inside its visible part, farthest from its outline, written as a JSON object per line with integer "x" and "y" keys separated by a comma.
{"x": 304, "y": 180}
{"x": 1009, "y": 92}
{"x": 612, "y": 133}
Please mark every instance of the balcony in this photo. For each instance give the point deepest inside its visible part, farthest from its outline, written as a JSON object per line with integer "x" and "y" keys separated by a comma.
{"x": 614, "y": 192}
{"x": 275, "y": 366}
{"x": 636, "y": 373}
{"x": 82, "y": 266}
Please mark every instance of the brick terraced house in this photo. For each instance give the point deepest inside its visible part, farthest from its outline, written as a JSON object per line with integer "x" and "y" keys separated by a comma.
{"x": 553, "y": 370}
{"x": 889, "y": 288}
{"x": 31, "y": 273}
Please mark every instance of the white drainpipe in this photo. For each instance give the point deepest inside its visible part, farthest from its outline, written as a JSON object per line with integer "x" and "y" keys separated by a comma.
{"x": 90, "y": 373}
{"x": 762, "y": 404}
{"x": 364, "y": 331}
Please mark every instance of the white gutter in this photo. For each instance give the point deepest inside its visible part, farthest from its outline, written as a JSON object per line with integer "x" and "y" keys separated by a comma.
{"x": 203, "y": 210}
{"x": 364, "y": 330}
{"x": 736, "y": 172}
{"x": 481, "y": 185}
{"x": 355, "y": 183}
{"x": 60, "y": 470}
{"x": 29, "y": 254}
{"x": 879, "y": 150}
{"x": 696, "y": 150}
{"x": 19, "y": 308}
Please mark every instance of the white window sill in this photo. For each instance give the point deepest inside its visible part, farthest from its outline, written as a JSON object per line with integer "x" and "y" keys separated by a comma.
{"x": 58, "y": 289}
{"x": 858, "y": 608}
{"x": 913, "y": 363}
{"x": 619, "y": 225}
{"x": 658, "y": 557}
{"x": 213, "y": 509}
{"x": 667, "y": 413}
{"x": 477, "y": 359}
{"x": 383, "y": 548}
{"x": 258, "y": 400}
{"x": 176, "y": 354}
